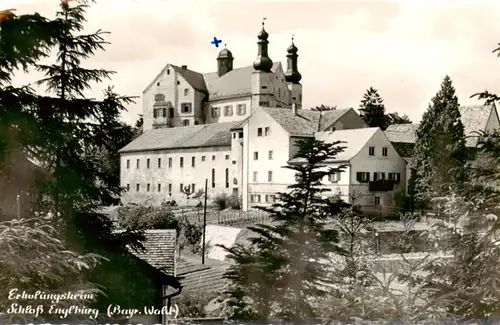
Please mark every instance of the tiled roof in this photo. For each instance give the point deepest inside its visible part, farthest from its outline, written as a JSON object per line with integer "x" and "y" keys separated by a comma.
{"x": 195, "y": 79}
{"x": 237, "y": 82}
{"x": 354, "y": 140}
{"x": 304, "y": 122}
{"x": 159, "y": 249}
{"x": 400, "y": 137}
{"x": 208, "y": 135}
{"x": 202, "y": 279}
{"x": 474, "y": 118}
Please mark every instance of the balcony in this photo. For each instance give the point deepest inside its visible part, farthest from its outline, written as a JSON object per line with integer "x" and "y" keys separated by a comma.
{"x": 381, "y": 185}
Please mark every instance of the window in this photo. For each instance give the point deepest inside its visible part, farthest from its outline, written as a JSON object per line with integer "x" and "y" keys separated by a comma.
{"x": 271, "y": 198}
{"x": 267, "y": 131}
{"x": 371, "y": 151}
{"x": 159, "y": 162}
{"x": 164, "y": 112}
{"x": 363, "y": 177}
{"x": 148, "y": 163}
{"x": 168, "y": 71}
{"x": 159, "y": 187}
{"x": 227, "y": 157}
{"x": 228, "y": 110}
{"x": 240, "y": 135}
{"x": 213, "y": 177}
{"x": 202, "y": 158}
{"x": 213, "y": 158}
{"x": 264, "y": 87}
{"x": 279, "y": 92}
{"x": 270, "y": 176}
{"x": 182, "y": 162}
{"x": 186, "y": 92}
{"x": 227, "y": 177}
{"x": 128, "y": 187}
{"x": 255, "y": 155}
{"x": 158, "y": 84}
{"x": 185, "y": 122}
{"x": 178, "y": 82}
{"x": 193, "y": 187}
{"x": 378, "y": 176}
{"x": 264, "y": 104}
{"x": 259, "y": 132}
{"x": 155, "y": 113}
{"x": 257, "y": 197}
{"x": 255, "y": 176}
{"x": 138, "y": 163}
{"x": 334, "y": 178}
{"x": 384, "y": 152}
{"x": 186, "y": 107}
{"x": 234, "y": 162}
{"x": 148, "y": 187}
{"x": 234, "y": 135}
{"x": 196, "y": 122}
{"x": 170, "y": 188}
{"x": 128, "y": 163}
{"x": 395, "y": 177}
{"x": 377, "y": 200}
{"x": 159, "y": 98}
{"x": 181, "y": 188}
{"x": 170, "y": 162}
{"x": 270, "y": 155}
{"x": 241, "y": 109}
{"x": 137, "y": 187}
{"x": 193, "y": 161}
{"x": 215, "y": 112}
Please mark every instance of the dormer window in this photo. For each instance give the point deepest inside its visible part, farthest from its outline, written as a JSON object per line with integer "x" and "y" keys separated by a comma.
{"x": 159, "y": 98}
{"x": 228, "y": 110}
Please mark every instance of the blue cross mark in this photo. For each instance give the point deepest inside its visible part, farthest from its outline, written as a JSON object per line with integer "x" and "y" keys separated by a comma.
{"x": 216, "y": 42}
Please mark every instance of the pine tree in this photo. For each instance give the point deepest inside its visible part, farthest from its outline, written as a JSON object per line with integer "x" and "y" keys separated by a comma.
{"x": 291, "y": 250}
{"x": 62, "y": 133}
{"x": 440, "y": 153}
{"x": 372, "y": 109}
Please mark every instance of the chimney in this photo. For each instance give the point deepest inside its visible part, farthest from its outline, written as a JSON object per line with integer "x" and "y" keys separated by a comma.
{"x": 294, "y": 109}
{"x": 184, "y": 66}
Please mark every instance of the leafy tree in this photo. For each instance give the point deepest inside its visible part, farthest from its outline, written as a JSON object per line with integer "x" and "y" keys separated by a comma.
{"x": 394, "y": 118}
{"x": 440, "y": 153}
{"x": 372, "y": 109}
{"x": 285, "y": 269}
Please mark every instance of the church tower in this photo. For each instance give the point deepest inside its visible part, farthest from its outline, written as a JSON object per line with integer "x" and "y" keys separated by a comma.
{"x": 293, "y": 77}
{"x": 262, "y": 77}
{"x": 224, "y": 62}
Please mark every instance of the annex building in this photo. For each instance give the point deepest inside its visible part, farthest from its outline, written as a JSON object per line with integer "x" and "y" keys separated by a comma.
{"x": 238, "y": 128}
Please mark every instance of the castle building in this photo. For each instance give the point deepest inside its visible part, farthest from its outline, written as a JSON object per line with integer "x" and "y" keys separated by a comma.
{"x": 178, "y": 96}
{"x": 237, "y": 128}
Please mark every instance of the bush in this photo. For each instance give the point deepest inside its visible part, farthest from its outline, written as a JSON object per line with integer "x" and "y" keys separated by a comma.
{"x": 222, "y": 201}
{"x": 148, "y": 218}
{"x": 193, "y": 305}
{"x": 193, "y": 234}
{"x": 235, "y": 202}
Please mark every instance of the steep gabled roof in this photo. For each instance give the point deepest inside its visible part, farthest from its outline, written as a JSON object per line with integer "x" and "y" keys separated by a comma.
{"x": 197, "y": 136}
{"x": 304, "y": 122}
{"x": 160, "y": 246}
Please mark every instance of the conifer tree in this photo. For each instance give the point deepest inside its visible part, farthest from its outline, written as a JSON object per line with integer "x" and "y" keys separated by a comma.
{"x": 372, "y": 109}
{"x": 440, "y": 153}
{"x": 288, "y": 253}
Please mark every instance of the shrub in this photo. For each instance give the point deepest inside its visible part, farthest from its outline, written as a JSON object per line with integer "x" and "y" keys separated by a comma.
{"x": 235, "y": 202}
{"x": 193, "y": 234}
{"x": 193, "y": 305}
{"x": 222, "y": 201}
{"x": 149, "y": 218}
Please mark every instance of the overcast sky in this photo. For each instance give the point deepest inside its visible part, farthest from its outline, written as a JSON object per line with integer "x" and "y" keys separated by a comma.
{"x": 403, "y": 49}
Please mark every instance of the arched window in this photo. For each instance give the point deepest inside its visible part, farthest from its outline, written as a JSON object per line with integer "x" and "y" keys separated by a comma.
{"x": 185, "y": 122}
{"x": 227, "y": 177}
{"x": 213, "y": 177}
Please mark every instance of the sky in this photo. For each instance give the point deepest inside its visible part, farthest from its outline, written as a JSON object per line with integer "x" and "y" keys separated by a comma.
{"x": 401, "y": 48}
